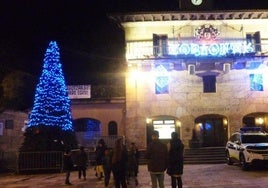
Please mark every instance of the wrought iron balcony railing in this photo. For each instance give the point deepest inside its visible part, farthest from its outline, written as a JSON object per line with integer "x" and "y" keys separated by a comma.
{"x": 107, "y": 91}
{"x": 147, "y": 50}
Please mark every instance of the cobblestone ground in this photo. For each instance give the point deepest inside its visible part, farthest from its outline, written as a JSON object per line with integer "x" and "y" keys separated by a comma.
{"x": 195, "y": 176}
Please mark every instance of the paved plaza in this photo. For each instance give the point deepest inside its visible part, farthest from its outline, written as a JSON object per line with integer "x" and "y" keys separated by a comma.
{"x": 195, "y": 176}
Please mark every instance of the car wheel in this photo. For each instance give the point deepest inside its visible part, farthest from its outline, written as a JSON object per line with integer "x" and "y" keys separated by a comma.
{"x": 228, "y": 159}
{"x": 243, "y": 163}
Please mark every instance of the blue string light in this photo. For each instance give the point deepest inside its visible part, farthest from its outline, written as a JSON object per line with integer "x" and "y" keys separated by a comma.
{"x": 51, "y": 102}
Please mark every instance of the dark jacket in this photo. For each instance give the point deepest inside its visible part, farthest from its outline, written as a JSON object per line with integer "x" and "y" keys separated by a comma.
{"x": 119, "y": 168}
{"x": 82, "y": 159}
{"x": 175, "y": 157}
{"x": 133, "y": 160}
{"x": 67, "y": 162}
{"x": 100, "y": 154}
{"x": 157, "y": 154}
{"x": 107, "y": 162}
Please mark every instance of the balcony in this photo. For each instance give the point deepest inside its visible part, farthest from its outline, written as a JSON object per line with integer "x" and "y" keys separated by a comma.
{"x": 188, "y": 48}
{"x": 108, "y": 91}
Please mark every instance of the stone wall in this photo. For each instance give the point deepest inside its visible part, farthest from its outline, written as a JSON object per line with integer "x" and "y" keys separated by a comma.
{"x": 12, "y": 137}
{"x": 186, "y": 101}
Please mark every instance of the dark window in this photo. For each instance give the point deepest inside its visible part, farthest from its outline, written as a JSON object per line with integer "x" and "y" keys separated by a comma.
{"x": 255, "y": 40}
{"x": 9, "y": 124}
{"x": 156, "y": 44}
{"x": 1, "y": 127}
{"x": 160, "y": 45}
{"x": 209, "y": 84}
{"x": 112, "y": 128}
{"x": 233, "y": 138}
{"x": 254, "y": 139}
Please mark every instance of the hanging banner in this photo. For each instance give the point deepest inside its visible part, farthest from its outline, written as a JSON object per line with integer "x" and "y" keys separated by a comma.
{"x": 79, "y": 91}
{"x": 210, "y": 49}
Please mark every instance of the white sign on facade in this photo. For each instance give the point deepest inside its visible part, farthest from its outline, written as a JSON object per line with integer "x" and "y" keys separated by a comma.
{"x": 79, "y": 91}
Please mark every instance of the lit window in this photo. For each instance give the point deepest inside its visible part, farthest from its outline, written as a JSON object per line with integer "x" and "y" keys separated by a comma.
{"x": 161, "y": 85}
{"x": 164, "y": 127}
{"x": 256, "y": 82}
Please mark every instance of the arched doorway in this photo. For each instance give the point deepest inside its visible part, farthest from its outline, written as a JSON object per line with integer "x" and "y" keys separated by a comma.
{"x": 211, "y": 130}
{"x": 86, "y": 130}
{"x": 259, "y": 119}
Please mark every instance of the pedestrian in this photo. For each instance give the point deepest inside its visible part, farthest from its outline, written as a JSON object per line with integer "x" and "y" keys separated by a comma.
{"x": 82, "y": 162}
{"x": 119, "y": 162}
{"x": 175, "y": 160}
{"x": 157, "y": 155}
{"x": 107, "y": 166}
{"x": 133, "y": 163}
{"x": 68, "y": 165}
{"x": 100, "y": 154}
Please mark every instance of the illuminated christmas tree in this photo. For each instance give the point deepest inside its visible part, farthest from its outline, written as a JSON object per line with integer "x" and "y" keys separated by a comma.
{"x": 50, "y": 124}
{"x": 51, "y": 103}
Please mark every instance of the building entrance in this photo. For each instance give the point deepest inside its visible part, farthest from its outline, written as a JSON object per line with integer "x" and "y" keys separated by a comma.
{"x": 259, "y": 119}
{"x": 211, "y": 130}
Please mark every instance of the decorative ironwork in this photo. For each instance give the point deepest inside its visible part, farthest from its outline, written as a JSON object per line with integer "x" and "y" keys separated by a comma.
{"x": 206, "y": 32}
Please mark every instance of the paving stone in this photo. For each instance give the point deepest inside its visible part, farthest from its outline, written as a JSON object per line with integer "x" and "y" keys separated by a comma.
{"x": 195, "y": 176}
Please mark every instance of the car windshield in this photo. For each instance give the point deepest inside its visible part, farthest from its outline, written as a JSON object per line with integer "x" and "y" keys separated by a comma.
{"x": 254, "y": 138}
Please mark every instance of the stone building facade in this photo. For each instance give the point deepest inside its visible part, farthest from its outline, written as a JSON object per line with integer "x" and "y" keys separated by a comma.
{"x": 202, "y": 74}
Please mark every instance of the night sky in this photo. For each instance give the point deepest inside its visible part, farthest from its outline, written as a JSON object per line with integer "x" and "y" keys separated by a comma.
{"x": 86, "y": 38}
{"x": 89, "y": 43}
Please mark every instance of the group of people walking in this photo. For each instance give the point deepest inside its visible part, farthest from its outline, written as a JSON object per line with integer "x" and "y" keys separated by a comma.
{"x": 82, "y": 163}
{"x": 122, "y": 162}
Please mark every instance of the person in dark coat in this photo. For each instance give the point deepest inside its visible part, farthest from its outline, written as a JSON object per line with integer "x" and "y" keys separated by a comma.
{"x": 82, "y": 162}
{"x": 133, "y": 163}
{"x": 119, "y": 164}
{"x": 175, "y": 160}
{"x": 67, "y": 165}
{"x": 157, "y": 155}
{"x": 100, "y": 154}
{"x": 107, "y": 166}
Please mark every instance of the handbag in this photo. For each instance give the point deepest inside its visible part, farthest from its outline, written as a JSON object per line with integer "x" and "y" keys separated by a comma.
{"x": 99, "y": 170}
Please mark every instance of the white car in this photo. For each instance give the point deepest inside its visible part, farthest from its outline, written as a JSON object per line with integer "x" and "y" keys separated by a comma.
{"x": 248, "y": 146}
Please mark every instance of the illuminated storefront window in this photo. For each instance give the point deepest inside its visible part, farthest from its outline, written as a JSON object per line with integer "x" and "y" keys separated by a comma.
{"x": 164, "y": 127}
